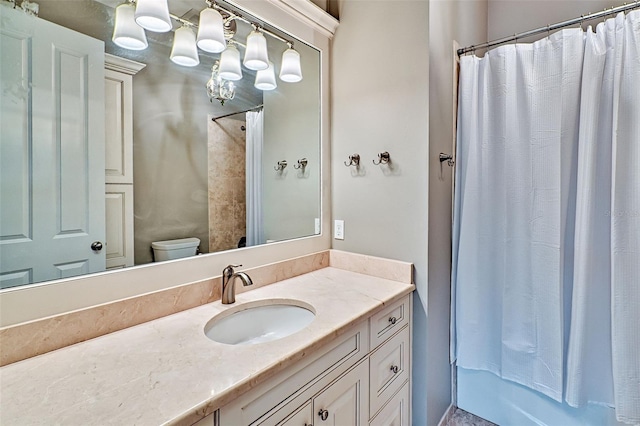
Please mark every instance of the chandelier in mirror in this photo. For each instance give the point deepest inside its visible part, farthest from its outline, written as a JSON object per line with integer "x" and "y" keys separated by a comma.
{"x": 219, "y": 88}
{"x": 214, "y": 33}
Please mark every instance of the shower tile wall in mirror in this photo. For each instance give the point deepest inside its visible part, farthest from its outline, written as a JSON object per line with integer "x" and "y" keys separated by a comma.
{"x": 189, "y": 167}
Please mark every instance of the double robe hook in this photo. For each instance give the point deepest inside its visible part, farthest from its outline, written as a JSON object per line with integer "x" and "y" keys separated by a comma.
{"x": 354, "y": 160}
{"x": 383, "y": 158}
{"x": 302, "y": 164}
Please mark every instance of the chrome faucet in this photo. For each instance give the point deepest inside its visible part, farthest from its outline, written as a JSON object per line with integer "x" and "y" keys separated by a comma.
{"x": 228, "y": 283}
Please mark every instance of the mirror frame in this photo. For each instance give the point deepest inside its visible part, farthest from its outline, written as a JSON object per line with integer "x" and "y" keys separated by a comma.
{"x": 308, "y": 23}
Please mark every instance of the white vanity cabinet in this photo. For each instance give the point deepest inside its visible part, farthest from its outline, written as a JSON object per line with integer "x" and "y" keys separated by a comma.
{"x": 361, "y": 378}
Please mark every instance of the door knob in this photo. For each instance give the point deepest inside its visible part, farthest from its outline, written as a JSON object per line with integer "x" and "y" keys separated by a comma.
{"x": 96, "y": 246}
{"x": 324, "y": 414}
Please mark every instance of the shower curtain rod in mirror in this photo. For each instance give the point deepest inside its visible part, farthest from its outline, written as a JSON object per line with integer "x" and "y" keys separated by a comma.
{"x": 255, "y": 108}
{"x": 549, "y": 28}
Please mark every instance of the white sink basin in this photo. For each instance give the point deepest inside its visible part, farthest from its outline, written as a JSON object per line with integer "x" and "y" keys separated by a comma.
{"x": 258, "y": 322}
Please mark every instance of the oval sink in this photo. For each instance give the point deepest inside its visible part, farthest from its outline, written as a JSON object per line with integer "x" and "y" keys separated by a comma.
{"x": 259, "y": 322}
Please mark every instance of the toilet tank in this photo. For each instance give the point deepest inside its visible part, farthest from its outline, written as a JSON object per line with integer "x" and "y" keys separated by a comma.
{"x": 175, "y": 249}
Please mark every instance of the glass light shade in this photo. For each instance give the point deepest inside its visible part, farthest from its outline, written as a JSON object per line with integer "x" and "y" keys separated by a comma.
{"x": 210, "y": 31}
{"x": 290, "y": 70}
{"x": 184, "y": 50}
{"x": 153, "y": 15}
{"x": 126, "y": 33}
{"x": 266, "y": 79}
{"x": 230, "y": 68}
{"x": 255, "y": 56}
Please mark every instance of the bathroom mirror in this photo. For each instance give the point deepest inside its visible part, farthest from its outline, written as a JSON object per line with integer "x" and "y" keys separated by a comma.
{"x": 195, "y": 174}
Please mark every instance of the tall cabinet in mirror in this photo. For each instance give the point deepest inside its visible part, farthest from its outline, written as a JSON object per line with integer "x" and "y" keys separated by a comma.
{"x": 118, "y": 101}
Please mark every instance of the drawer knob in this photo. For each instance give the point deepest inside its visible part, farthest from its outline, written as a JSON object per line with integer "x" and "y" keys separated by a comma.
{"x": 324, "y": 414}
{"x": 393, "y": 320}
{"x": 394, "y": 369}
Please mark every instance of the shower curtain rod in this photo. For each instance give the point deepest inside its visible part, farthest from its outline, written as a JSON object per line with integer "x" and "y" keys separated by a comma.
{"x": 548, "y": 28}
{"x": 239, "y": 112}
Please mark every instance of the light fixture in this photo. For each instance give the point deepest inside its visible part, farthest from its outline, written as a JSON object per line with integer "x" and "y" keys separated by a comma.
{"x": 266, "y": 79}
{"x": 255, "y": 55}
{"x": 230, "y": 68}
{"x": 290, "y": 70}
{"x": 153, "y": 15}
{"x": 126, "y": 33}
{"x": 219, "y": 88}
{"x": 211, "y": 31}
{"x": 184, "y": 51}
{"x": 216, "y": 33}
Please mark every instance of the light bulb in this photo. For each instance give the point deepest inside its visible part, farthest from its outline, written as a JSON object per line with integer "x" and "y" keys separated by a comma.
{"x": 126, "y": 33}
{"x": 255, "y": 56}
{"x": 290, "y": 70}
{"x": 184, "y": 50}
{"x": 211, "y": 31}
{"x": 153, "y": 15}
{"x": 230, "y": 68}
{"x": 266, "y": 79}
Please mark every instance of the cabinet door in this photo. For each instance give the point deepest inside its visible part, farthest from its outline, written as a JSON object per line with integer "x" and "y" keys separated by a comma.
{"x": 396, "y": 412}
{"x": 345, "y": 402}
{"x": 118, "y": 127}
{"x": 119, "y": 225}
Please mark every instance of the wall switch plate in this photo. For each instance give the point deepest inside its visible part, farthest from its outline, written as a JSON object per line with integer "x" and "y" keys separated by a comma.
{"x": 338, "y": 229}
{"x": 316, "y": 226}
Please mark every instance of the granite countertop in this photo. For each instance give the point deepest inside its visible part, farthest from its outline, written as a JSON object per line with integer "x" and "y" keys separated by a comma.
{"x": 168, "y": 371}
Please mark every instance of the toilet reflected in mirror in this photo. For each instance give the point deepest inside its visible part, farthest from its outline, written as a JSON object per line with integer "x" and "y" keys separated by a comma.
{"x": 174, "y": 249}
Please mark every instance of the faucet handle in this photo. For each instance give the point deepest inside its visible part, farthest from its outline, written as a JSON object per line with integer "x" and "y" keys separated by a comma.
{"x": 228, "y": 270}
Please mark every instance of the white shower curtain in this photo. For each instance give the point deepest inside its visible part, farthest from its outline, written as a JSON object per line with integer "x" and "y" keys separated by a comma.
{"x": 255, "y": 228}
{"x": 546, "y": 251}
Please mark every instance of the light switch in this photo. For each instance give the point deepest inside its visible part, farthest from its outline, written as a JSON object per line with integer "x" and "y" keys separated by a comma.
{"x": 338, "y": 229}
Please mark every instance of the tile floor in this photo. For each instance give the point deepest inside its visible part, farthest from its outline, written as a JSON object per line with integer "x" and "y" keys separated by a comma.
{"x": 463, "y": 418}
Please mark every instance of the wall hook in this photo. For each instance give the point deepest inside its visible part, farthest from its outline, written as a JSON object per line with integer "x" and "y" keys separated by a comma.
{"x": 448, "y": 158}
{"x": 280, "y": 166}
{"x": 302, "y": 164}
{"x": 354, "y": 160}
{"x": 383, "y": 158}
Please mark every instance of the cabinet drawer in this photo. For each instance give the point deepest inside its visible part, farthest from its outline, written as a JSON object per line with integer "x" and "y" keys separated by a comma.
{"x": 385, "y": 323}
{"x": 389, "y": 369}
{"x": 273, "y": 401}
{"x": 396, "y": 412}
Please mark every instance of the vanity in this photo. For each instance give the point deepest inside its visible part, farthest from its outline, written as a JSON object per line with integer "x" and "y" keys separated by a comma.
{"x": 350, "y": 365}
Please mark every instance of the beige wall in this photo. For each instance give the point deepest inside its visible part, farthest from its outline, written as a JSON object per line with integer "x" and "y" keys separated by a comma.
{"x": 392, "y": 76}
{"x": 227, "y": 199}
{"x": 449, "y": 21}
{"x": 380, "y": 102}
{"x": 170, "y": 110}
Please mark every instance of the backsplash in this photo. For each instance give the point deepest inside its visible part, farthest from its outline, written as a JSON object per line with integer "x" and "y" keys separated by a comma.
{"x": 25, "y": 340}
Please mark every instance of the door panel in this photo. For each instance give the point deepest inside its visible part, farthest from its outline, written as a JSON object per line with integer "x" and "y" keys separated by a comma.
{"x": 15, "y": 157}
